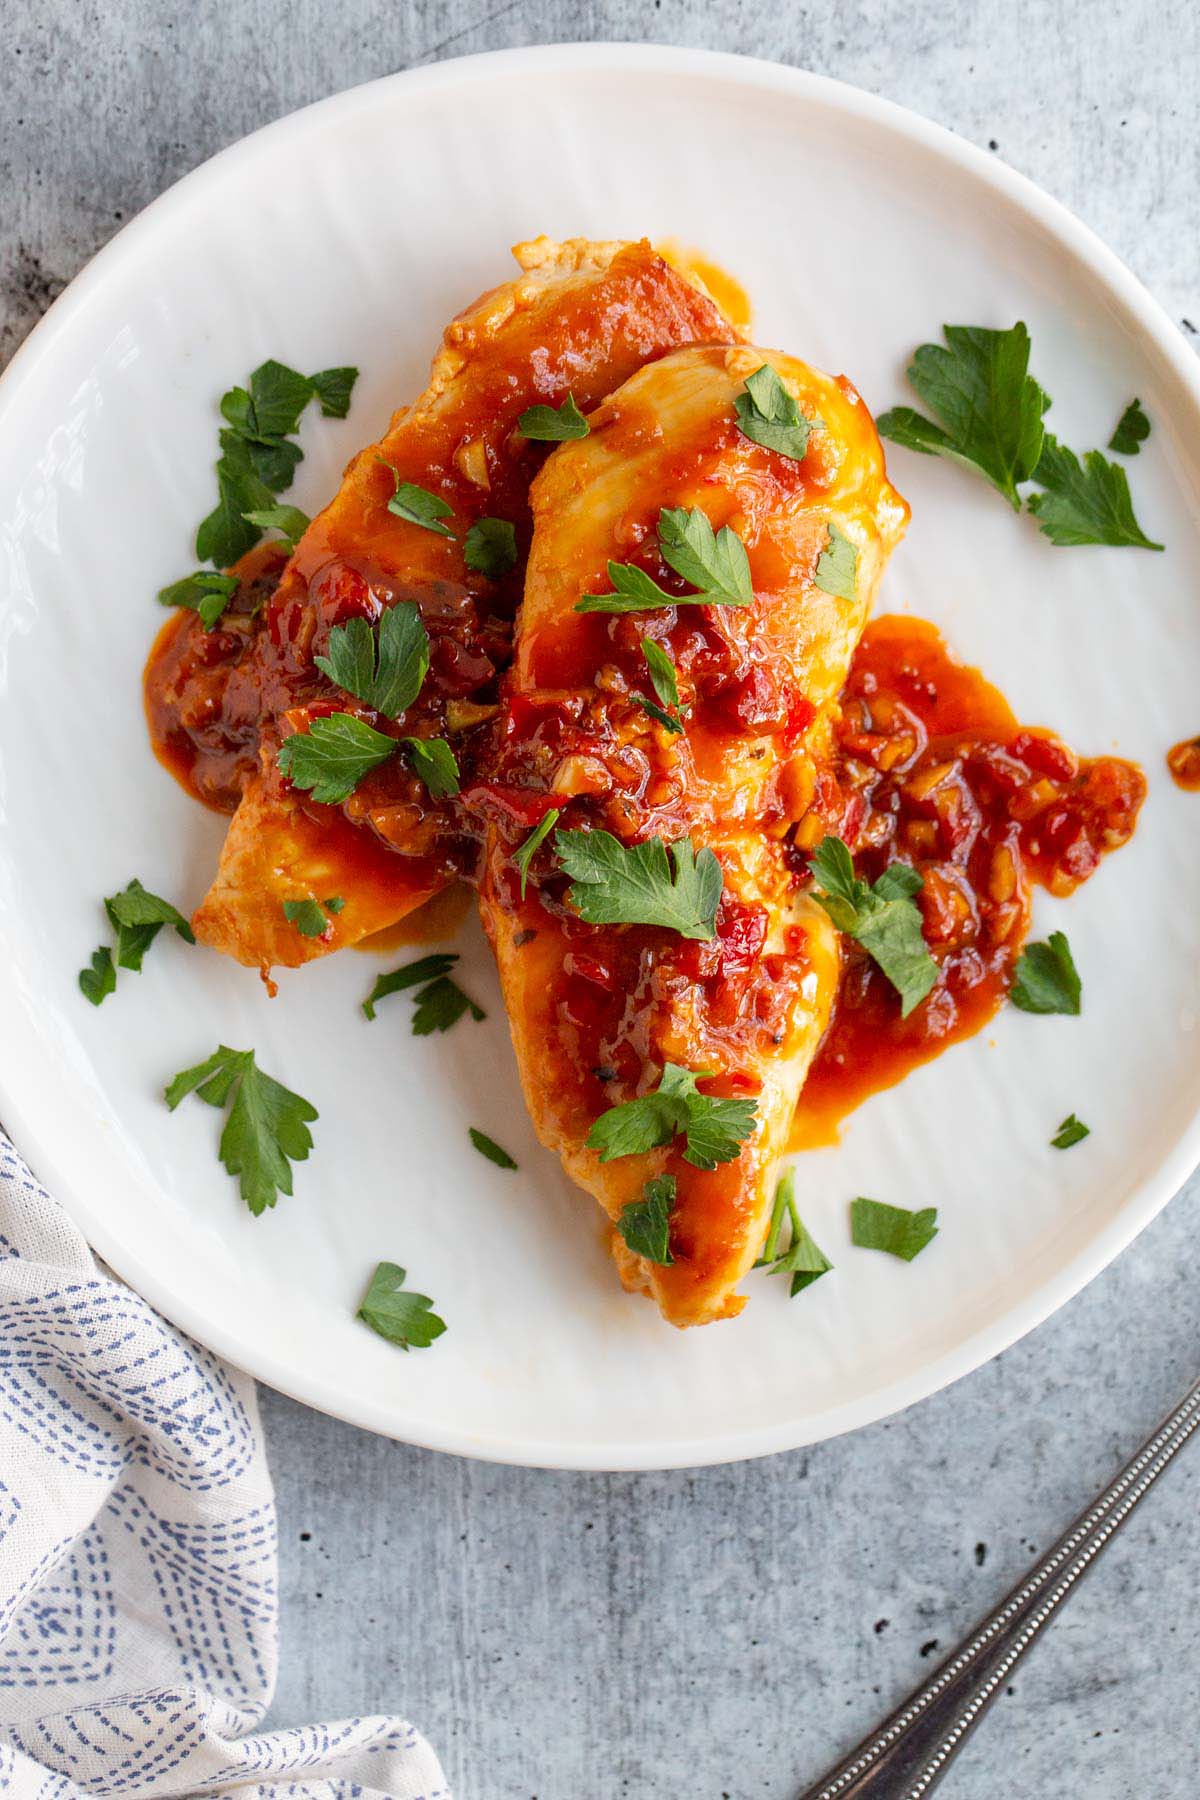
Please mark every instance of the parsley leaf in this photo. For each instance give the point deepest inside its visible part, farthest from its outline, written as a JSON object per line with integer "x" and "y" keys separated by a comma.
{"x": 837, "y": 566}
{"x": 311, "y": 917}
{"x": 418, "y": 505}
{"x": 803, "y": 1260}
{"x": 333, "y": 388}
{"x": 1047, "y": 980}
{"x": 768, "y": 415}
{"x": 633, "y": 591}
{"x": 990, "y": 406}
{"x": 1132, "y": 430}
{"x": 665, "y": 684}
{"x": 266, "y": 1128}
{"x": 137, "y": 916}
{"x": 434, "y": 763}
{"x": 396, "y": 1313}
{"x": 1086, "y": 504}
{"x": 1071, "y": 1131}
{"x": 206, "y": 592}
{"x": 488, "y": 1147}
{"x": 413, "y": 974}
{"x": 387, "y": 668}
{"x": 96, "y": 983}
{"x": 440, "y": 1002}
{"x": 524, "y": 856}
{"x": 441, "y": 1005}
{"x": 882, "y": 918}
{"x": 715, "y": 1129}
{"x": 257, "y": 461}
{"x": 332, "y": 756}
{"x": 289, "y": 521}
{"x": 490, "y": 547}
{"x": 615, "y": 885}
{"x": 278, "y": 395}
{"x": 553, "y": 425}
{"x": 646, "y": 1224}
{"x": 225, "y": 534}
{"x": 877, "y": 1226}
{"x": 714, "y": 562}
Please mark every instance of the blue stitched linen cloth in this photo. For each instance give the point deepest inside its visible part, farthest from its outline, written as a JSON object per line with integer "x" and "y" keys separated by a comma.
{"x": 138, "y": 1604}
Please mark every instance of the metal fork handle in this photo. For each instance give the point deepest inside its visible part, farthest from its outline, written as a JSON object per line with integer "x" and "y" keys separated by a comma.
{"x": 910, "y": 1752}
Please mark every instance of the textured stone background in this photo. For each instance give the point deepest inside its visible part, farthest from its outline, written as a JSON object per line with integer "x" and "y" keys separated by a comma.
{"x": 726, "y": 1632}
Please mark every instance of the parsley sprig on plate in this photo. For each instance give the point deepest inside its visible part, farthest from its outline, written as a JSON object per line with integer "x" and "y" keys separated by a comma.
{"x": 440, "y": 1002}
{"x": 266, "y": 1125}
{"x": 396, "y": 1313}
{"x": 1046, "y": 979}
{"x": 136, "y": 916}
{"x": 876, "y": 1226}
{"x": 882, "y": 917}
{"x": 991, "y": 411}
{"x": 258, "y": 460}
{"x": 802, "y": 1258}
{"x": 713, "y": 1129}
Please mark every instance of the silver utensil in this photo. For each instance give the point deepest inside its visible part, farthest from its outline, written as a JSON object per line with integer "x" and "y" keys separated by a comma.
{"x": 906, "y": 1757}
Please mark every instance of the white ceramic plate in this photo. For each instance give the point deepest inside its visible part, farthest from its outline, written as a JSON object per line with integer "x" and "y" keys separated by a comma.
{"x": 350, "y": 233}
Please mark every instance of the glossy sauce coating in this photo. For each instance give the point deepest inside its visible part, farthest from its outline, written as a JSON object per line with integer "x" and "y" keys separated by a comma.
{"x": 933, "y": 767}
{"x": 581, "y": 317}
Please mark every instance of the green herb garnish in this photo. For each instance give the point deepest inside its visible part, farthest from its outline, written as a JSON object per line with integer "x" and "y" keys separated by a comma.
{"x": 635, "y": 885}
{"x": 332, "y": 756}
{"x": 417, "y": 505}
{"x": 1047, "y": 980}
{"x": 837, "y": 566}
{"x": 803, "y": 1260}
{"x": 311, "y": 917}
{"x": 553, "y": 424}
{"x": 490, "y": 547}
{"x": 266, "y": 1127}
{"x": 989, "y": 405}
{"x": 877, "y": 1226}
{"x": 768, "y": 415}
{"x": 1132, "y": 430}
{"x": 434, "y": 763}
{"x": 664, "y": 681}
{"x": 715, "y": 563}
{"x": 882, "y": 918}
{"x": 206, "y": 592}
{"x": 1071, "y": 1131}
{"x": 525, "y": 855}
{"x": 645, "y": 1224}
{"x": 714, "y": 1129}
{"x": 96, "y": 983}
{"x": 386, "y": 668}
{"x": 288, "y": 521}
{"x": 397, "y": 1314}
{"x": 440, "y": 1002}
{"x": 1084, "y": 503}
{"x": 488, "y": 1147}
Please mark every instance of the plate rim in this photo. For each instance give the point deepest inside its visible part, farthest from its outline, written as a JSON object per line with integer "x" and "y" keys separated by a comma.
{"x": 1139, "y": 1207}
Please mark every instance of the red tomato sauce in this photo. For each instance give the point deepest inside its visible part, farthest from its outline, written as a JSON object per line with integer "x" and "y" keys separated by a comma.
{"x": 933, "y": 767}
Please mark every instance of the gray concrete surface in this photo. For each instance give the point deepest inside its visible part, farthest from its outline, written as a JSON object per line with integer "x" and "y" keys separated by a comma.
{"x": 727, "y": 1632}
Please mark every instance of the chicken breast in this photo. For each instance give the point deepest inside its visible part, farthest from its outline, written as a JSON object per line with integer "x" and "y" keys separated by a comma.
{"x": 579, "y": 319}
{"x": 604, "y": 1013}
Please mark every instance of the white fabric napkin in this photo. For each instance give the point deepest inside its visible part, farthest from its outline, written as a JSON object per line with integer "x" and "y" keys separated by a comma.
{"x": 138, "y": 1604}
